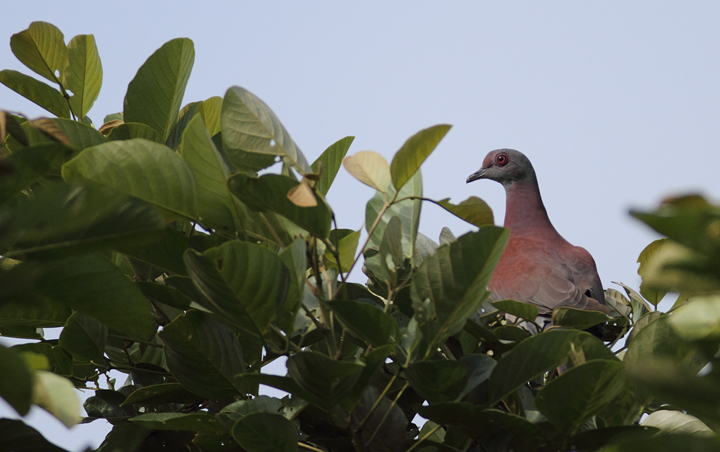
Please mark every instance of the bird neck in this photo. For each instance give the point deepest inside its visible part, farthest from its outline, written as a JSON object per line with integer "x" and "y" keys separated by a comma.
{"x": 524, "y": 209}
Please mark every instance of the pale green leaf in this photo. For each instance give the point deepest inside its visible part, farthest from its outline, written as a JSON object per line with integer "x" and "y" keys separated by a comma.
{"x": 41, "y": 48}
{"x": 414, "y": 152}
{"x": 370, "y": 168}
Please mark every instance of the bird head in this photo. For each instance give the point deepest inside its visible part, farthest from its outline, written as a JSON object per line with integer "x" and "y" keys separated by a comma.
{"x": 506, "y": 166}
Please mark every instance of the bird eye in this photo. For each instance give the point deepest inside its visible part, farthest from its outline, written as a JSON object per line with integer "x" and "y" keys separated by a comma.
{"x": 501, "y": 159}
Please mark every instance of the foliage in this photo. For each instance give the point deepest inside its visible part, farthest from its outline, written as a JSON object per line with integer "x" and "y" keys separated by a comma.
{"x": 162, "y": 253}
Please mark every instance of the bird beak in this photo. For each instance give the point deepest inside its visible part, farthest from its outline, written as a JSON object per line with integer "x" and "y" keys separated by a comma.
{"x": 480, "y": 174}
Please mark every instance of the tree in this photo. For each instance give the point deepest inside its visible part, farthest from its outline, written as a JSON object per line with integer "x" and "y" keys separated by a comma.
{"x": 155, "y": 244}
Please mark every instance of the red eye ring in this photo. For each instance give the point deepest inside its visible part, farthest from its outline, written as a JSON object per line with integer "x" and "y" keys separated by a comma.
{"x": 501, "y": 159}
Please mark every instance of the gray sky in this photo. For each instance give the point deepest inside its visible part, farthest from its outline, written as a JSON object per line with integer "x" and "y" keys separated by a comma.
{"x": 615, "y": 103}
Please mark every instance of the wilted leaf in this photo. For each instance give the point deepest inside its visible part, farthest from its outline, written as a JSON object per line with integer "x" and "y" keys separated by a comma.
{"x": 302, "y": 195}
{"x": 56, "y": 395}
{"x": 370, "y": 168}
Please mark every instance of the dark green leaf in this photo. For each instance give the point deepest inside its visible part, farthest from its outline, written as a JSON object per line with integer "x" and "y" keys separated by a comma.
{"x": 577, "y": 318}
{"x": 525, "y": 311}
{"x": 324, "y": 378}
{"x": 68, "y": 219}
{"x": 198, "y": 422}
{"x": 35, "y": 312}
{"x": 36, "y": 91}
{"x": 244, "y": 283}
{"x": 18, "y": 436}
{"x": 250, "y": 126}
{"x": 579, "y": 393}
{"x": 203, "y": 354}
{"x": 108, "y": 405}
{"x": 92, "y": 284}
{"x": 437, "y": 381}
{"x": 131, "y": 130}
{"x": 652, "y": 295}
{"x": 365, "y": 321}
{"x": 165, "y": 252}
{"x": 15, "y": 380}
{"x": 330, "y": 160}
{"x": 452, "y": 285}
{"x": 479, "y": 368}
{"x": 81, "y": 135}
{"x": 164, "y": 294}
{"x": 269, "y": 192}
{"x": 24, "y": 166}
{"x": 473, "y": 210}
{"x": 414, "y": 152}
{"x": 528, "y": 359}
{"x": 266, "y": 432}
{"x": 84, "y": 337}
{"x": 155, "y": 94}
{"x": 592, "y": 439}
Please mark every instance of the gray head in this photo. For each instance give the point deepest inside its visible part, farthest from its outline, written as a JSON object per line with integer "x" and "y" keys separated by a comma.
{"x": 506, "y": 166}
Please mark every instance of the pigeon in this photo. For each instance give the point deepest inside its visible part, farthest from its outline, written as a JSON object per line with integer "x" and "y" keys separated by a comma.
{"x": 538, "y": 265}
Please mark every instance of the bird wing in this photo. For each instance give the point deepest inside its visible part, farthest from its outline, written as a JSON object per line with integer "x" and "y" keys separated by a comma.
{"x": 534, "y": 272}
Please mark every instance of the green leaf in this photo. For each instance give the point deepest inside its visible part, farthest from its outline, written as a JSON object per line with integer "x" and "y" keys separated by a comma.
{"x": 528, "y": 359}
{"x": 161, "y": 394}
{"x": 216, "y": 205}
{"x": 580, "y": 392}
{"x": 164, "y": 294}
{"x": 479, "y": 422}
{"x": 81, "y": 135}
{"x": 480, "y": 368}
{"x": 26, "y": 165}
{"x": 678, "y": 422}
{"x": 666, "y": 443}
{"x": 473, "y": 210}
{"x": 652, "y": 295}
{"x": 330, "y": 160}
{"x": 452, "y": 284}
{"x": 83, "y": 74}
{"x": 325, "y": 380}
{"x": 243, "y": 283}
{"x": 520, "y": 309}
{"x": 577, "y": 318}
{"x": 65, "y": 218}
{"x": 269, "y": 192}
{"x": 155, "y": 94}
{"x": 370, "y": 168}
{"x": 18, "y": 436}
{"x": 203, "y": 354}
{"x": 41, "y": 48}
{"x": 165, "y": 252}
{"x": 699, "y": 319}
{"x": 187, "y": 113}
{"x": 437, "y": 381}
{"x": 84, "y": 337}
{"x": 130, "y": 130}
{"x": 658, "y": 339}
{"x": 108, "y": 405}
{"x": 260, "y": 404}
{"x": 57, "y": 396}
{"x": 250, "y": 126}
{"x": 592, "y": 439}
{"x": 414, "y": 152}
{"x": 198, "y": 422}
{"x": 365, "y": 321}
{"x": 60, "y": 360}
{"x": 346, "y": 243}
{"x": 211, "y": 112}
{"x": 408, "y": 211}
{"x": 92, "y": 284}
{"x": 266, "y": 432}
{"x": 15, "y": 380}
{"x": 140, "y": 168}
{"x": 36, "y": 91}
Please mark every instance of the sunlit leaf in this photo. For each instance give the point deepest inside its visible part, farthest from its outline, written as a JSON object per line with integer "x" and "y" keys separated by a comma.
{"x": 83, "y": 74}
{"x": 677, "y": 422}
{"x": 36, "y": 91}
{"x": 370, "y": 168}
{"x": 41, "y": 48}
{"x": 57, "y": 396}
{"x": 155, "y": 94}
{"x": 414, "y": 152}
{"x": 331, "y": 160}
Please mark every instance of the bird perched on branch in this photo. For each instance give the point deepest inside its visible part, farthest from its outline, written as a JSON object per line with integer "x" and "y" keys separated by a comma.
{"x": 538, "y": 265}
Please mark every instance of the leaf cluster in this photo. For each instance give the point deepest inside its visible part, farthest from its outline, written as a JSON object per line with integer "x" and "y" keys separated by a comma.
{"x": 189, "y": 247}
